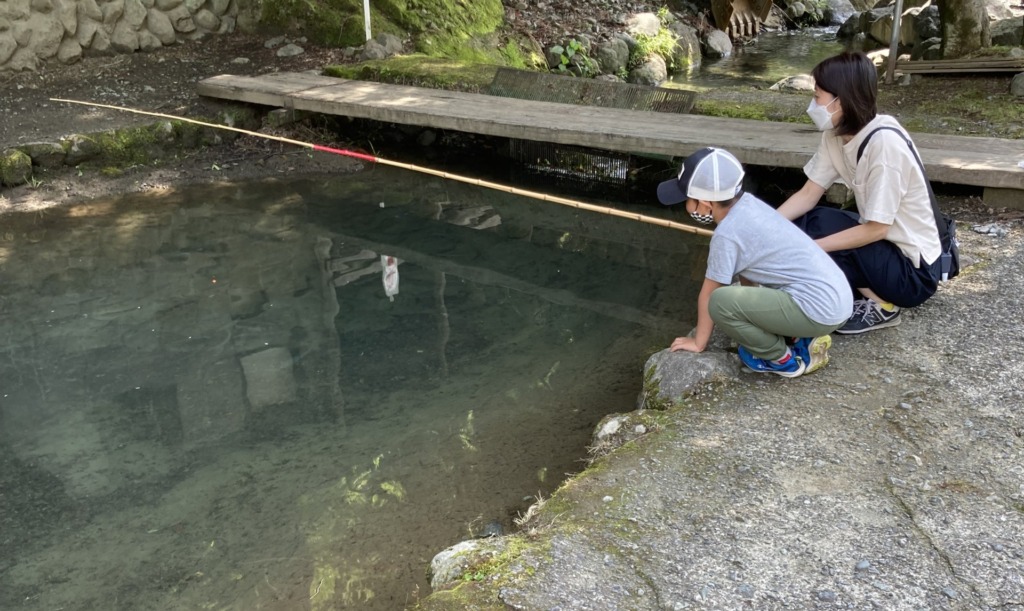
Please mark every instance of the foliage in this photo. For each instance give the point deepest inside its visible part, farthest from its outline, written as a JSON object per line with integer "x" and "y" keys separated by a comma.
{"x": 573, "y": 58}
{"x": 663, "y": 43}
{"x": 513, "y": 56}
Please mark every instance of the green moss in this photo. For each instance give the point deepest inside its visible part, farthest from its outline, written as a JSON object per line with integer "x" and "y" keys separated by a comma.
{"x": 744, "y": 110}
{"x": 439, "y": 27}
{"x": 523, "y": 54}
{"x": 15, "y": 167}
{"x": 652, "y": 398}
{"x": 336, "y": 23}
{"x": 129, "y": 146}
{"x": 421, "y": 71}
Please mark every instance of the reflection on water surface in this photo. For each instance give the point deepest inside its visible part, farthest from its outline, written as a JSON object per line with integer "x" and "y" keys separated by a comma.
{"x": 769, "y": 58}
{"x": 292, "y": 395}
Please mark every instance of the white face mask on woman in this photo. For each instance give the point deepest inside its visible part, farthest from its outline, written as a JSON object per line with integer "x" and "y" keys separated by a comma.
{"x": 820, "y": 115}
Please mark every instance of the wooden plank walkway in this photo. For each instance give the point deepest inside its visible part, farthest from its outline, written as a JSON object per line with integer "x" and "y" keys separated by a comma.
{"x": 984, "y": 162}
{"x": 962, "y": 66}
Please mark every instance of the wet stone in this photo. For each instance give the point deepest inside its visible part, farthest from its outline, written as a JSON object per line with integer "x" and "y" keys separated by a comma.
{"x": 863, "y": 565}
{"x": 950, "y": 593}
{"x": 827, "y": 596}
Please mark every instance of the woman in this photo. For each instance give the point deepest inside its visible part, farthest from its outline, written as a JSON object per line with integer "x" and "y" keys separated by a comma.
{"x": 889, "y": 251}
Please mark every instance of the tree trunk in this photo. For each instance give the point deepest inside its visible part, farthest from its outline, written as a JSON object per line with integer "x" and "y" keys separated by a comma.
{"x": 964, "y": 27}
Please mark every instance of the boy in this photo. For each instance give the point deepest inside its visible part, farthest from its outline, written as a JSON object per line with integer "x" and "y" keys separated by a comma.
{"x": 790, "y": 288}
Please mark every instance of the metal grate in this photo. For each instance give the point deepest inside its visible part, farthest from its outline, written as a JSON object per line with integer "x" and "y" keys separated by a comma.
{"x": 547, "y": 87}
{"x": 575, "y": 163}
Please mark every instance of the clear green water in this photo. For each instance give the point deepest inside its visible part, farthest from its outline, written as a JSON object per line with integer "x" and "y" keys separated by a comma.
{"x": 210, "y": 401}
{"x": 768, "y": 59}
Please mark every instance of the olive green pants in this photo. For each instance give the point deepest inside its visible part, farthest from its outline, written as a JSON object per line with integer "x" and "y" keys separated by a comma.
{"x": 760, "y": 319}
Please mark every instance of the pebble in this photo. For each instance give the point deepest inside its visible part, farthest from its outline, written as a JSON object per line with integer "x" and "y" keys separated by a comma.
{"x": 827, "y": 596}
{"x": 998, "y": 547}
{"x": 745, "y": 590}
{"x": 950, "y": 593}
{"x": 904, "y": 406}
{"x": 863, "y": 565}
{"x": 608, "y": 499}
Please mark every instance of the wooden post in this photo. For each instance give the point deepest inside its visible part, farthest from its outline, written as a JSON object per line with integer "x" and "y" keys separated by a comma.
{"x": 366, "y": 17}
{"x": 894, "y": 41}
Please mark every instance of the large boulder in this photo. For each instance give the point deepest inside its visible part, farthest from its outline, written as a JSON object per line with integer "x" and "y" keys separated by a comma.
{"x": 652, "y": 71}
{"x": 48, "y": 155}
{"x": 671, "y": 376}
{"x": 686, "y": 53}
{"x": 1017, "y": 86}
{"x": 79, "y": 149}
{"x": 717, "y": 44}
{"x": 645, "y": 24}
{"x": 1008, "y": 32}
{"x": 612, "y": 56}
{"x": 839, "y": 11}
{"x": 850, "y": 28}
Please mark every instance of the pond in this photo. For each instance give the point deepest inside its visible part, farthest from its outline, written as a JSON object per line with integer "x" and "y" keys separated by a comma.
{"x": 292, "y": 394}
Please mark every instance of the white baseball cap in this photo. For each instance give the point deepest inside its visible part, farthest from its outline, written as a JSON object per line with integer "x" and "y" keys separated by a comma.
{"x": 710, "y": 174}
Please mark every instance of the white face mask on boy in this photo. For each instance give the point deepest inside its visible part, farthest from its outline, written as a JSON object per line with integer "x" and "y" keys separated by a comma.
{"x": 820, "y": 115}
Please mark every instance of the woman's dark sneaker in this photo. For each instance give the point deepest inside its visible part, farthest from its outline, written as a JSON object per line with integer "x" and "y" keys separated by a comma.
{"x": 868, "y": 316}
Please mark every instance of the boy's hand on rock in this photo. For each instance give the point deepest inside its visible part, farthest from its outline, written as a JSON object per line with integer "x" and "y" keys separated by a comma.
{"x": 687, "y": 344}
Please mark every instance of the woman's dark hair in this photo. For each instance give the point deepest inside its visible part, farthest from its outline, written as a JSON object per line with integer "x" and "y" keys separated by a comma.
{"x": 853, "y": 79}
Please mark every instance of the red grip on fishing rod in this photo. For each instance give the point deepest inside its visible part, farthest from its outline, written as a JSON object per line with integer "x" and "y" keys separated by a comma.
{"x": 327, "y": 149}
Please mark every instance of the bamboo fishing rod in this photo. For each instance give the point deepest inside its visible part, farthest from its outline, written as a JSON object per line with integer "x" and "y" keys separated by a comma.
{"x": 414, "y": 168}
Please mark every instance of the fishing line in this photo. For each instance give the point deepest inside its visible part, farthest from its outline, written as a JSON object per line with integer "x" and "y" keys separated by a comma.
{"x": 414, "y": 168}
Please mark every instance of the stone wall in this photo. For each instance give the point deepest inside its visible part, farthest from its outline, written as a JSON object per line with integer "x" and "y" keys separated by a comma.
{"x": 34, "y": 31}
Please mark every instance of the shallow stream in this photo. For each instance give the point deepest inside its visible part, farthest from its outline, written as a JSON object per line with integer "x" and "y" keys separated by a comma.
{"x": 769, "y": 58}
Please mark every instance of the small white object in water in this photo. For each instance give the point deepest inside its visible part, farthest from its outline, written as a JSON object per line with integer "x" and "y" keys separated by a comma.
{"x": 1020, "y": 164}
{"x": 381, "y": 204}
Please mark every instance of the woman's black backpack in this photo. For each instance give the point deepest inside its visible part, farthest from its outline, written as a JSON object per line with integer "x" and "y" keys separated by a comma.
{"x": 950, "y": 256}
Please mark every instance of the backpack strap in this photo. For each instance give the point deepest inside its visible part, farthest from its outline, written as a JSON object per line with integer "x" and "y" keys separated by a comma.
{"x": 939, "y": 221}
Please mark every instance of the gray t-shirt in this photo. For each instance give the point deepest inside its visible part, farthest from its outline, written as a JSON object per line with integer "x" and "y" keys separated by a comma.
{"x": 758, "y": 243}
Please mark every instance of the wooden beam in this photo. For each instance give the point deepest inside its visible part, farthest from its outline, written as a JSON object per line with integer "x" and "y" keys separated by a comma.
{"x": 985, "y": 162}
{"x": 941, "y": 66}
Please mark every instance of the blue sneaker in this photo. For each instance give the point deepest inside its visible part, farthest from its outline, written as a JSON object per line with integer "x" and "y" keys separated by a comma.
{"x": 791, "y": 367}
{"x": 813, "y": 351}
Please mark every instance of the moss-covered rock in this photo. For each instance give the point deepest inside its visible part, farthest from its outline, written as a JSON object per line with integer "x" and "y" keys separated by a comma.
{"x": 79, "y": 148}
{"x": 15, "y": 168}
{"x": 48, "y": 155}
